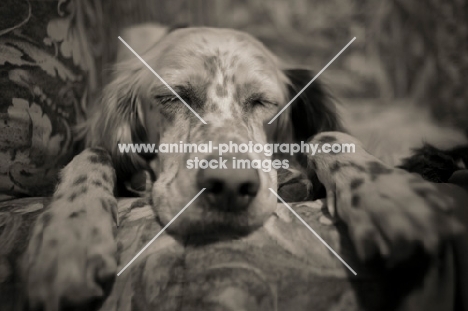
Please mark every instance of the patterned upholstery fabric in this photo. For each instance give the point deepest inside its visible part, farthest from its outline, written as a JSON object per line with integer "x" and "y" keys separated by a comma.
{"x": 47, "y": 73}
{"x": 282, "y": 266}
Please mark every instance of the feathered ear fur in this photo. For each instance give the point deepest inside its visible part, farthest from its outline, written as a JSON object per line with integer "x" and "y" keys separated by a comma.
{"x": 118, "y": 117}
{"x": 313, "y": 111}
{"x": 118, "y": 120}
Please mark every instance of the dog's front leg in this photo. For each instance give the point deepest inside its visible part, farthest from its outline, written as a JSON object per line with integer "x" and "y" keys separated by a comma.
{"x": 388, "y": 211}
{"x": 72, "y": 250}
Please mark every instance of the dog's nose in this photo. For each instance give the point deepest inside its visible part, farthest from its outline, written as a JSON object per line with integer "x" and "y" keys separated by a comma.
{"x": 229, "y": 189}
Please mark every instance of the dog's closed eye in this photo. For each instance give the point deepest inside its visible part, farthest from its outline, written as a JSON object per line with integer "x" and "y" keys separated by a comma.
{"x": 170, "y": 104}
{"x": 187, "y": 92}
{"x": 259, "y": 99}
{"x": 167, "y": 99}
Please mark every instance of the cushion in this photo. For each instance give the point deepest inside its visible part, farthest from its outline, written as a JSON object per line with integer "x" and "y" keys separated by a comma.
{"x": 282, "y": 266}
{"x": 47, "y": 72}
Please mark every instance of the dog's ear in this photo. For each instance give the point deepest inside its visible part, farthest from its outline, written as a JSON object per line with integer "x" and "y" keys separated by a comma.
{"x": 118, "y": 119}
{"x": 313, "y": 111}
{"x": 119, "y": 116}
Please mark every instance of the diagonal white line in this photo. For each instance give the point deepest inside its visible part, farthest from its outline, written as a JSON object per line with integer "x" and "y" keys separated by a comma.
{"x": 308, "y": 84}
{"x": 159, "y": 77}
{"x": 160, "y": 232}
{"x": 315, "y": 233}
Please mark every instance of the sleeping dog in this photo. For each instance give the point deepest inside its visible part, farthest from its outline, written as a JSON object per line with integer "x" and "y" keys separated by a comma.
{"x": 236, "y": 86}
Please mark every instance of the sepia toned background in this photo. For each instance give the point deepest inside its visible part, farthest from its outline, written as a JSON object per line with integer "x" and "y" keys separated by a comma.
{"x": 400, "y": 83}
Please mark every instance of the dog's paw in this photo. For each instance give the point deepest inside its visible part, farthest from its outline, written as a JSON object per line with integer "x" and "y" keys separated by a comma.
{"x": 388, "y": 212}
{"x": 71, "y": 257}
{"x": 391, "y": 212}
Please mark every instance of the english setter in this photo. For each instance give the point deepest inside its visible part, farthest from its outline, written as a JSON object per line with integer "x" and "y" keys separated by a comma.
{"x": 236, "y": 85}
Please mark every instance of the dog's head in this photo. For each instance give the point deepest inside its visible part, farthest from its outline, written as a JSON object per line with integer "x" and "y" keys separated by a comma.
{"x": 236, "y": 86}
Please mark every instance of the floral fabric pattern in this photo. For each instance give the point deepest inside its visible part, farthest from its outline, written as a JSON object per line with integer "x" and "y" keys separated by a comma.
{"x": 280, "y": 267}
{"x": 47, "y": 71}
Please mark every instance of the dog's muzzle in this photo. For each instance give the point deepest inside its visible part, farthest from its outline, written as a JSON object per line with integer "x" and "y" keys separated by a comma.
{"x": 229, "y": 189}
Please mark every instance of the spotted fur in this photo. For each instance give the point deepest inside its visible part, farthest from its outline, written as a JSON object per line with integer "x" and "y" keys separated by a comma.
{"x": 75, "y": 231}
{"x": 389, "y": 212}
{"x": 236, "y": 85}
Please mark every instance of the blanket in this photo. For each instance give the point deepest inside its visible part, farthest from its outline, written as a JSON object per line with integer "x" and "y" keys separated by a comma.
{"x": 282, "y": 266}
